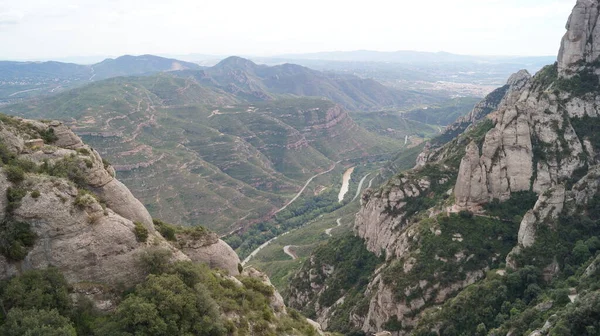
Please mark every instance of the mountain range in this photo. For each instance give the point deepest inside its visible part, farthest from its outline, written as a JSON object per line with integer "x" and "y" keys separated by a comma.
{"x": 225, "y": 146}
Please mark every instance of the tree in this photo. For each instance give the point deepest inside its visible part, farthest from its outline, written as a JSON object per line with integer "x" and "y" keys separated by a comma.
{"x": 37, "y": 289}
{"x": 35, "y": 322}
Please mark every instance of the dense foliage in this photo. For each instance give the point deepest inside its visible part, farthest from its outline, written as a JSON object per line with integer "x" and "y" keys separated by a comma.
{"x": 175, "y": 299}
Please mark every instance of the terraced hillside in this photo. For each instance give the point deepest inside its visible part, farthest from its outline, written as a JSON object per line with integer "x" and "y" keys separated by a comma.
{"x": 199, "y": 155}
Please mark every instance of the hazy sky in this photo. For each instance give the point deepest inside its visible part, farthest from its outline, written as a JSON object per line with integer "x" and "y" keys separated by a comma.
{"x": 40, "y": 29}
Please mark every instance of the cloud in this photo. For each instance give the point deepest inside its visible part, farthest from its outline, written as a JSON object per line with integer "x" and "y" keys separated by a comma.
{"x": 10, "y": 17}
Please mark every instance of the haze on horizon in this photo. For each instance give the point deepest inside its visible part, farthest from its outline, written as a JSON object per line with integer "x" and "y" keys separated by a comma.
{"x": 42, "y": 30}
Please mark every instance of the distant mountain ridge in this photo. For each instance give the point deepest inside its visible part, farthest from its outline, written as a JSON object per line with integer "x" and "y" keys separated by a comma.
{"x": 20, "y": 80}
{"x": 241, "y": 76}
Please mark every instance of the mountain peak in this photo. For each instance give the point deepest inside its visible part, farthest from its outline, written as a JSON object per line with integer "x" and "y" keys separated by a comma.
{"x": 581, "y": 42}
{"x": 236, "y": 62}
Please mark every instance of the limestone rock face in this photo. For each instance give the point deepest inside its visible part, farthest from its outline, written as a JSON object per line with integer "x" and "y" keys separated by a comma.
{"x": 217, "y": 254}
{"x": 582, "y": 40}
{"x": 381, "y": 221}
{"x": 85, "y": 243}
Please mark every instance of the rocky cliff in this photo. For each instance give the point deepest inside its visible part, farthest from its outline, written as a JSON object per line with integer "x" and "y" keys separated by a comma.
{"x": 517, "y": 175}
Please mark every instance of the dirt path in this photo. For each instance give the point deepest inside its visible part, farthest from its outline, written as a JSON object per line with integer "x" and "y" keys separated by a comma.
{"x": 306, "y": 185}
{"x": 339, "y": 222}
{"x": 255, "y": 252}
{"x": 288, "y": 250}
{"x": 360, "y": 184}
{"x": 16, "y": 93}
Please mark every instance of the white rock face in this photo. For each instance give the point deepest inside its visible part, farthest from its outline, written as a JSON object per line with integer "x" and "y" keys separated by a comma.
{"x": 582, "y": 40}
{"x": 216, "y": 253}
{"x": 548, "y": 206}
{"x": 383, "y": 231}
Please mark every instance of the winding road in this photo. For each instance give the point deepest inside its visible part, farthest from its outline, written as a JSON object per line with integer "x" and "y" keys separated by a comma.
{"x": 328, "y": 231}
{"x": 306, "y": 185}
{"x": 360, "y": 186}
{"x": 258, "y": 249}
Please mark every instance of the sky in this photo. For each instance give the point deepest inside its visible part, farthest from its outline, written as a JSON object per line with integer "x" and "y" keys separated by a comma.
{"x": 42, "y": 29}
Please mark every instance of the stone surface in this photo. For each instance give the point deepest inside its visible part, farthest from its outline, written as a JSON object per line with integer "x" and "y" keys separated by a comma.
{"x": 582, "y": 39}
{"x": 216, "y": 255}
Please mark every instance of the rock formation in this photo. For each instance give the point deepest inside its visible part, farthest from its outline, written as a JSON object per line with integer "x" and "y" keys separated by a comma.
{"x": 581, "y": 43}
{"x": 536, "y": 140}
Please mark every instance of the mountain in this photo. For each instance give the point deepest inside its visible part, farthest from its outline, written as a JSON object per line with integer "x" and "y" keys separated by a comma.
{"x": 138, "y": 65}
{"x": 79, "y": 254}
{"x": 20, "y": 80}
{"x": 495, "y": 232}
{"x": 260, "y": 82}
{"x": 197, "y": 154}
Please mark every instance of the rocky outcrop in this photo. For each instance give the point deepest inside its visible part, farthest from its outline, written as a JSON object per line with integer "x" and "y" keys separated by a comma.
{"x": 210, "y": 250}
{"x": 581, "y": 43}
{"x": 382, "y": 219}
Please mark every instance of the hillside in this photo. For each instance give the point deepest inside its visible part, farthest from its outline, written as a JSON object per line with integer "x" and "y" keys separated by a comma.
{"x": 80, "y": 255}
{"x": 20, "y": 80}
{"x": 199, "y": 155}
{"x": 260, "y": 82}
{"x": 495, "y": 232}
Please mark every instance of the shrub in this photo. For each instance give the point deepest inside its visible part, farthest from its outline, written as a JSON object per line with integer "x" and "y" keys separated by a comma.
{"x": 15, "y": 239}
{"x": 35, "y": 194}
{"x": 140, "y": 231}
{"x": 37, "y": 322}
{"x": 166, "y": 230}
{"x": 83, "y": 151}
{"x": 155, "y": 260}
{"x": 14, "y": 174}
{"x": 48, "y": 136}
{"x": 14, "y": 196}
{"x": 84, "y": 198}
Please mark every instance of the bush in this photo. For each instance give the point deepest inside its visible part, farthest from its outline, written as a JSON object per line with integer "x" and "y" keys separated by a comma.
{"x": 36, "y": 322}
{"x": 166, "y": 230}
{"x": 35, "y": 194}
{"x": 14, "y": 196}
{"x": 140, "y": 231}
{"x": 37, "y": 289}
{"x": 48, "y": 136}
{"x": 84, "y": 198}
{"x": 14, "y": 174}
{"x": 15, "y": 239}
{"x": 156, "y": 260}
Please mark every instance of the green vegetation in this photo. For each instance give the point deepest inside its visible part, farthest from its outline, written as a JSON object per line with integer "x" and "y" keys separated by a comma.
{"x": 354, "y": 266}
{"x": 448, "y": 248}
{"x": 15, "y": 239}
{"x": 514, "y": 208}
{"x": 297, "y": 214}
{"x": 140, "y": 231}
{"x": 175, "y": 299}
{"x": 547, "y": 75}
{"x": 583, "y": 82}
{"x": 444, "y": 114}
{"x": 587, "y": 128}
